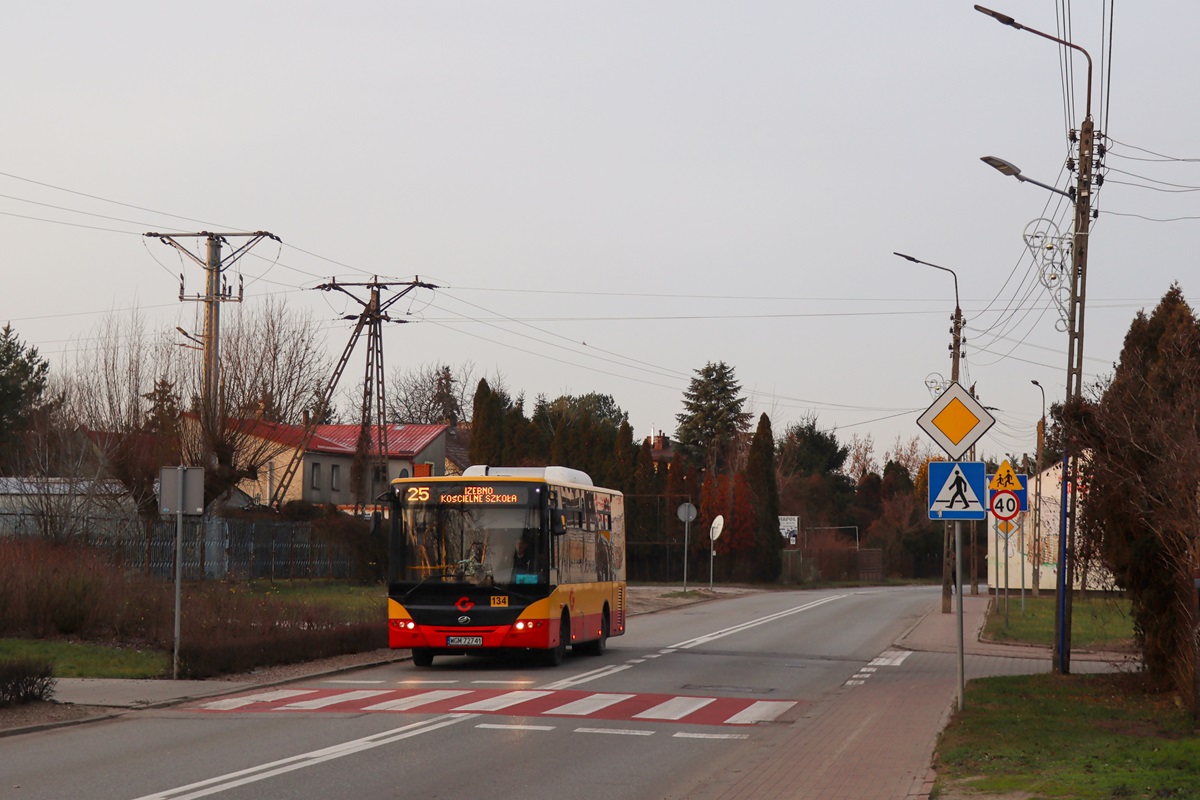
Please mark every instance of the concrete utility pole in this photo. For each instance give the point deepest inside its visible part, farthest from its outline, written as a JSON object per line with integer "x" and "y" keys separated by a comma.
{"x": 215, "y": 293}
{"x": 1079, "y": 253}
{"x": 1069, "y": 522}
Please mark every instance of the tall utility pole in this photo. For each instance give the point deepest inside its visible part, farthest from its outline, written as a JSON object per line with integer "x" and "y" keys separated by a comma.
{"x": 1069, "y": 523}
{"x": 216, "y": 291}
{"x": 948, "y": 543}
{"x": 1079, "y": 252}
{"x": 1037, "y": 509}
{"x": 371, "y": 318}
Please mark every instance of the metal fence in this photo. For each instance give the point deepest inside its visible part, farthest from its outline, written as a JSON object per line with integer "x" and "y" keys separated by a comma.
{"x": 234, "y": 548}
{"x": 213, "y": 548}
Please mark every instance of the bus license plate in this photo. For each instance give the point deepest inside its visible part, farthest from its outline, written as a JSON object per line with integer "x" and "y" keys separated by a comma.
{"x": 464, "y": 641}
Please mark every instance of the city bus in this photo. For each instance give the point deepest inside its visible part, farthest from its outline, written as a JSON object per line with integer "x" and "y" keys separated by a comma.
{"x": 512, "y": 559}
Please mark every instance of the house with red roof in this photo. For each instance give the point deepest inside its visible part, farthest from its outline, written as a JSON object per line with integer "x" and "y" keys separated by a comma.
{"x": 325, "y": 471}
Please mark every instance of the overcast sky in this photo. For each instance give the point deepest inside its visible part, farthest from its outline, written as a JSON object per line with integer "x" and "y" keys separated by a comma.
{"x": 611, "y": 193}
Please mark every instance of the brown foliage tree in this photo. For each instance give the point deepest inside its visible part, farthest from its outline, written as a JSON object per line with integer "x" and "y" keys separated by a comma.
{"x": 1142, "y": 509}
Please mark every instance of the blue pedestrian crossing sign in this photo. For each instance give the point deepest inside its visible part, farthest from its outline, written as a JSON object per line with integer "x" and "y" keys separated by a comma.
{"x": 957, "y": 490}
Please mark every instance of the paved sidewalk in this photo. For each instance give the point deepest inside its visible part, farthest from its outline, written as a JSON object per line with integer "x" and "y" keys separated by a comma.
{"x": 875, "y": 739}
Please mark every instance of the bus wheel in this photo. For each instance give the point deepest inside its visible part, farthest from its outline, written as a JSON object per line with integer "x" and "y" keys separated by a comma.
{"x": 598, "y": 646}
{"x": 555, "y": 656}
{"x": 422, "y": 657}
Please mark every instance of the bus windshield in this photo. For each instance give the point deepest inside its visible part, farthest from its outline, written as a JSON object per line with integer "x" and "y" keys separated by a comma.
{"x": 464, "y": 543}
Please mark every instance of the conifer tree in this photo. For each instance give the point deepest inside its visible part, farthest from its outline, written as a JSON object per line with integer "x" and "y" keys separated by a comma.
{"x": 712, "y": 422}
{"x": 739, "y": 540}
{"x": 23, "y": 377}
{"x": 487, "y": 426}
{"x": 760, "y": 476}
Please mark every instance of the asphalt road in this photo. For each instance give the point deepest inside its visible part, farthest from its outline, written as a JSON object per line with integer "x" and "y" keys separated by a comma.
{"x": 687, "y": 695}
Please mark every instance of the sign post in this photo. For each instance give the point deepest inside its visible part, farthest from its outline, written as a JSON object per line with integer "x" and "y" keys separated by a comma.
{"x": 180, "y": 493}
{"x": 713, "y": 532}
{"x": 686, "y": 513}
{"x": 1005, "y": 507}
{"x": 956, "y": 420}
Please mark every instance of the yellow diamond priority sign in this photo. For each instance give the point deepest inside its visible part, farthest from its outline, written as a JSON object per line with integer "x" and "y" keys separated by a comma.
{"x": 956, "y": 421}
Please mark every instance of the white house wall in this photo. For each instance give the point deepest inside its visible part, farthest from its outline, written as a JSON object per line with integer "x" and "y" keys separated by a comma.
{"x": 1028, "y": 547}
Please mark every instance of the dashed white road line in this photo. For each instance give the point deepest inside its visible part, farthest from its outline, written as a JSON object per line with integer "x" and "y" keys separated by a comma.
{"x": 500, "y": 727}
{"x": 684, "y": 735}
{"x": 615, "y": 731}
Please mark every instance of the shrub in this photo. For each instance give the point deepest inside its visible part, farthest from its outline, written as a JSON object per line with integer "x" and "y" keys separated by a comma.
{"x": 50, "y": 589}
{"x": 216, "y": 654}
{"x": 24, "y": 680}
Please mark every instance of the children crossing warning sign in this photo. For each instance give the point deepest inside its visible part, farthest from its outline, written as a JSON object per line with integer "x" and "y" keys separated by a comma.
{"x": 957, "y": 490}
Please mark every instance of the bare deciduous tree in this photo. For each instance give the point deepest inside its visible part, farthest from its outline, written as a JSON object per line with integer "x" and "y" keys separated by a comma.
{"x": 431, "y": 393}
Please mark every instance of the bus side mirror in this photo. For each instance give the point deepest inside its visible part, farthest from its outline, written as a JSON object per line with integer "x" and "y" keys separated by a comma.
{"x": 558, "y": 522}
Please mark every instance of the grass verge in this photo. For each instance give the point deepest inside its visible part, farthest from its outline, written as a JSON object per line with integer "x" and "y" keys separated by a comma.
{"x": 77, "y": 660}
{"x": 350, "y": 599}
{"x": 1074, "y": 736}
{"x": 1098, "y": 623}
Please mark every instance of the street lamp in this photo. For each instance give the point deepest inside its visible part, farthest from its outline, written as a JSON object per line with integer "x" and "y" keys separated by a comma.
{"x": 956, "y": 331}
{"x": 1074, "y": 395}
{"x": 1008, "y": 168}
{"x": 956, "y": 348}
{"x": 1037, "y": 509}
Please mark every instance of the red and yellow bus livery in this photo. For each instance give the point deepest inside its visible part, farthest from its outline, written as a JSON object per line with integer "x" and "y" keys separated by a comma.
{"x": 505, "y": 559}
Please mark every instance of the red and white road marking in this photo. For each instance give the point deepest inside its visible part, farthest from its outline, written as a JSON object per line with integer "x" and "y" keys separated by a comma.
{"x": 520, "y": 703}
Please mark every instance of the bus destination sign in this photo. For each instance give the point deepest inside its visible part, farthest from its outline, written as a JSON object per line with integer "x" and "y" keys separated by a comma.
{"x": 474, "y": 495}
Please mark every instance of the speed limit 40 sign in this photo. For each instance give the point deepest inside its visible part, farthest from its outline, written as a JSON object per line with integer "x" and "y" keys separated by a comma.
{"x": 1005, "y": 505}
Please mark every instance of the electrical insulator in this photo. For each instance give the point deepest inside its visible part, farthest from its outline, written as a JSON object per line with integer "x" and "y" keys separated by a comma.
{"x": 1072, "y": 135}
{"x": 1099, "y": 180}
{"x": 1070, "y": 165}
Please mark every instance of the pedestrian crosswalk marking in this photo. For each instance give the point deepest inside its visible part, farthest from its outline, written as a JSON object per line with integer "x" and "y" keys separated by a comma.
{"x": 589, "y": 705}
{"x": 761, "y": 711}
{"x": 570, "y": 703}
{"x": 262, "y": 697}
{"x": 890, "y": 658}
{"x": 418, "y": 700}
{"x": 500, "y": 702}
{"x": 675, "y": 708}
{"x": 330, "y": 700}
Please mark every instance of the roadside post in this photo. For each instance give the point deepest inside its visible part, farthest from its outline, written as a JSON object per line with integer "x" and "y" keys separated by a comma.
{"x": 713, "y": 532}
{"x": 1007, "y": 481}
{"x": 956, "y": 420}
{"x": 687, "y": 514}
{"x": 180, "y": 492}
{"x": 1005, "y": 508}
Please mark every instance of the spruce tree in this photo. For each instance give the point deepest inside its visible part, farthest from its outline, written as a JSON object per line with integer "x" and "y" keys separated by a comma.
{"x": 712, "y": 422}
{"x": 23, "y": 377}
